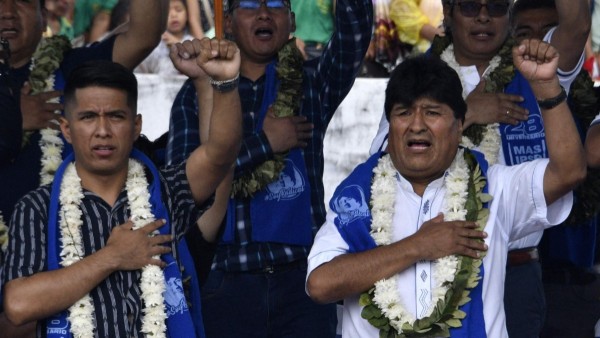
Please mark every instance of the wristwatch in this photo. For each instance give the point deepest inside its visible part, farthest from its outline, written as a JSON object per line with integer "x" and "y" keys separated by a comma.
{"x": 553, "y": 101}
{"x": 226, "y": 85}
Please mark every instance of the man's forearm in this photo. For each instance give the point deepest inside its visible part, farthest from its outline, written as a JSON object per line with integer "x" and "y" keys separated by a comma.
{"x": 351, "y": 274}
{"x": 225, "y": 128}
{"x": 46, "y": 293}
{"x": 567, "y": 166}
{"x": 574, "y": 24}
{"x": 147, "y": 22}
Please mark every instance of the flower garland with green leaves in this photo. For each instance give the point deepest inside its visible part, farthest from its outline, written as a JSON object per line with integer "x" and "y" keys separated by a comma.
{"x": 287, "y": 103}
{"x": 3, "y": 234}
{"x": 45, "y": 61}
{"x": 454, "y": 275}
{"x": 81, "y": 313}
{"x": 495, "y": 82}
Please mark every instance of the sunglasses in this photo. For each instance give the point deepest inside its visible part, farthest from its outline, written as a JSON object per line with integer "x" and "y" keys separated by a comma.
{"x": 255, "y": 4}
{"x": 473, "y": 8}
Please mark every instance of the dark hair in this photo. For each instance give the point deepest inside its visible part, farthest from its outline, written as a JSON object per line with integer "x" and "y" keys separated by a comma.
{"x": 523, "y": 5}
{"x": 102, "y": 73}
{"x": 425, "y": 76}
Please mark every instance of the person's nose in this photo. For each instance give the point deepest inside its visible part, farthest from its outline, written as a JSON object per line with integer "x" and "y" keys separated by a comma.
{"x": 417, "y": 122}
{"x": 103, "y": 128}
{"x": 7, "y": 9}
{"x": 483, "y": 15}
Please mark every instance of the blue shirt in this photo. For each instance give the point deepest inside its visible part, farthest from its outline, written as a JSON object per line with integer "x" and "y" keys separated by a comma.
{"x": 324, "y": 90}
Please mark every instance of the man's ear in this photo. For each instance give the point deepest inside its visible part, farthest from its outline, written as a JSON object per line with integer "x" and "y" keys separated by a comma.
{"x": 138, "y": 126}
{"x": 44, "y": 13}
{"x": 227, "y": 24}
{"x": 65, "y": 128}
{"x": 293, "y": 22}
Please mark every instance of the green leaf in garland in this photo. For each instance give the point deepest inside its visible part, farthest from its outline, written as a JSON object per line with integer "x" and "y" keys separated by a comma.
{"x": 453, "y": 323}
{"x": 287, "y": 103}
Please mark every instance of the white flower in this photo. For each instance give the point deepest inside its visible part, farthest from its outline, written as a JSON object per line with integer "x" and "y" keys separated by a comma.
{"x": 383, "y": 193}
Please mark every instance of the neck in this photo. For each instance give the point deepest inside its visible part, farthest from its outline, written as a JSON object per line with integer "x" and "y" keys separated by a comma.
{"x": 18, "y": 60}
{"x": 179, "y": 35}
{"x": 21, "y": 57}
{"x": 107, "y": 187}
{"x": 420, "y": 184}
{"x": 253, "y": 70}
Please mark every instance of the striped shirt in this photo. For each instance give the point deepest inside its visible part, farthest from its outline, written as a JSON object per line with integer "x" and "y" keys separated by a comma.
{"x": 117, "y": 300}
{"x": 324, "y": 90}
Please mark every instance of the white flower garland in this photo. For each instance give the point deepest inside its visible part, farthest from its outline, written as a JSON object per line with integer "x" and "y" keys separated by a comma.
{"x": 490, "y": 144}
{"x": 81, "y": 314}
{"x": 383, "y": 192}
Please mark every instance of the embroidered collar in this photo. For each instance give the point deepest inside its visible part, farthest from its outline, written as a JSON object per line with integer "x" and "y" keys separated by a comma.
{"x": 45, "y": 61}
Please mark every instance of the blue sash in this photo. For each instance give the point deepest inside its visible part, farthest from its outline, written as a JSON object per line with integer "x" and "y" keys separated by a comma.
{"x": 527, "y": 140}
{"x": 180, "y": 322}
{"x": 350, "y": 202}
{"x": 281, "y": 212}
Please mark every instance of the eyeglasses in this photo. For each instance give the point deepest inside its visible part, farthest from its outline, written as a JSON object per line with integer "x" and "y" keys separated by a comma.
{"x": 473, "y": 8}
{"x": 255, "y": 4}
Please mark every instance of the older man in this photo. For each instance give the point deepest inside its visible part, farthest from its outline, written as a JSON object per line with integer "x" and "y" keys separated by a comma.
{"x": 417, "y": 269}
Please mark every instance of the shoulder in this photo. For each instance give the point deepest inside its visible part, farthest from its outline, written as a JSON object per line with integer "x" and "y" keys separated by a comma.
{"x": 35, "y": 202}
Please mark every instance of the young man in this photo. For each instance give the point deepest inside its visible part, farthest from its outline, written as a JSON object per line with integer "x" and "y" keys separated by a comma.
{"x": 22, "y": 24}
{"x": 419, "y": 261}
{"x": 256, "y": 285}
{"x": 103, "y": 210}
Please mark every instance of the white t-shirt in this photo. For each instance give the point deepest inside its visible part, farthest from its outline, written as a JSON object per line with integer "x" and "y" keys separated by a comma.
{"x": 471, "y": 78}
{"x": 518, "y": 206}
{"x": 158, "y": 62}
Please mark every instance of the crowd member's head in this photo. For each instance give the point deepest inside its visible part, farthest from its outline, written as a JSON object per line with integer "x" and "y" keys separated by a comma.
{"x": 58, "y": 8}
{"x": 532, "y": 19}
{"x": 22, "y": 23}
{"x": 478, "y": 28}
{"x": 426, "y": 110}
{"x": 259, "y": 27}
{"x": 178, "y": 18}
{"x": 100, "y": 117}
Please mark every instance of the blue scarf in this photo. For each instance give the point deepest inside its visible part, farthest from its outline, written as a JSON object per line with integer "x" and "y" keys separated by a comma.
{"x": 527, "y": 140}
{"x": 350, "y": 202}
{"x": 180, "y": 320}
{"x": 281, "y": 212}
